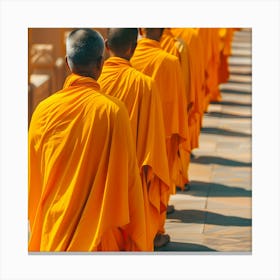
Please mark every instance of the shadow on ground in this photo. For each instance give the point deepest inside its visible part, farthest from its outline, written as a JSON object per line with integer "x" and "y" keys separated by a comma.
{"x": 232, "y": 81}
{"x": 235, "y": 91}
{"x": 220, "y": 161}
{"x": 225, "y": 132}
{"x": 205, "y": 217}
{"x": 226, "y": 115}
{"x": 236, "y": 71}
{"x": 198, "y": 188}
{"x": 185, "y": 247}
{"x": 231, "y": 103}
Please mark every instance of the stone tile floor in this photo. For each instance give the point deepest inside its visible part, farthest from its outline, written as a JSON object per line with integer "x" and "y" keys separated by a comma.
{"x": 215, "y": 215}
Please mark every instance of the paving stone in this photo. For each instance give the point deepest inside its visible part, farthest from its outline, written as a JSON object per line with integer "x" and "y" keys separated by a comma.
{"x": 188, "y": 200}
{"x": 223, "y": 202}
{"x": 221, "y": 171}
{"x": 236, "y": 122}
{"x": 199, "y": 172}
{"x": 216, "y": 108}
{"x": 207, "y": 146}
{"x": 239, "y": 99}
{"x": 240, "y": 78}
{"x": 233, "y": 60}
{"x": 228, "y": 244}
{"x": 241, "y": 52}
{"x": 181, "y": 230}
{"x": 243, "y": 45}
{"x": 238, "y": 160}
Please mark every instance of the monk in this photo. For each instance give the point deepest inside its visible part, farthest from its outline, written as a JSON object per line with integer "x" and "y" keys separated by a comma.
{"x": 85, "y": 191}
{"x": 177, "y": 47}
{"x": 191, "y": 39}
{"x": 164, "y": 68}
{"x": 210, "y": 38}
{"x": 140, "y": 95}
{"x": 225, "y": 35}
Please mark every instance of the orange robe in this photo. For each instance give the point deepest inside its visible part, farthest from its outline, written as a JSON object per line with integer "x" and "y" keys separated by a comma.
{"x": 164, "y": 68}
{"x": 140, "y": 95}
{"x": 178, "y": 48}
{"x": 85, "y": 191}
{"x": 226, "y": 35}
{"x": 211, "y": 39}
{"x": 190, "y": 37}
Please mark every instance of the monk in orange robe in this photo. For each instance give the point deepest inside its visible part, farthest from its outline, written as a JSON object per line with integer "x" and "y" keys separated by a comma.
{"x": 190, "y": 37}
{"x": 226, "y": 35}
{"x": 85, "y": 191}
{"x": 178, "y": 48}
{"x": 210, "y": 38}
{"x": 164, "y": 68}
{"x": 140, "y": 95}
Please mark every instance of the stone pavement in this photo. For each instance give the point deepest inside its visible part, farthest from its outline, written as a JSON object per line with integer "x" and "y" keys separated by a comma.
{"x": 215, "y": 214}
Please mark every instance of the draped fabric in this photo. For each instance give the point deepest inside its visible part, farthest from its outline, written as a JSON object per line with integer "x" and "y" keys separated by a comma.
{"x": 140, "y": 95}
{"x": 226, "y": 35}
{"x": 210, "y": 38}
{"x": 164, "y": 68}
{"x": 197, "y": 80}
{"x": 85, "y": 191}
{"x": 178, "y": 48}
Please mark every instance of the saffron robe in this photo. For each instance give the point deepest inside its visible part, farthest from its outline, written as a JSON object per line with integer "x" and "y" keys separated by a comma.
{"x": 210, "y": 38}
{"x": 178, "y": 48}
{"x": 140, "y": 95}
{"x": 190, "y": 37}
{"x": 85, "y": 192}
{"x": 164, "y": 68}
{"x": 226, "y": 35}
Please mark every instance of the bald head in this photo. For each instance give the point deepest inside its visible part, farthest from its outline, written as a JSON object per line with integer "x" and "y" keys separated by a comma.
{"x": 84, "y": 50}
{"x": 122, "y": 41}
{"x": 152, "y": 33}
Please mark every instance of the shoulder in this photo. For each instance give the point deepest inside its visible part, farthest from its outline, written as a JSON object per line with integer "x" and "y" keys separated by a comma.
{"x": 169, "y": 61}
{"x": 140, "y": 77}
{"x": 44, "y": 106}
{"x": 107, "y": 104}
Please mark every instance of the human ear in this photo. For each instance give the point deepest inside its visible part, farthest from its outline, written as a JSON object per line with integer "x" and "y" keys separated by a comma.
{"x": 67, "y": 63}
{"x": 140, "y": 31}
{"x": 106, "y": 44}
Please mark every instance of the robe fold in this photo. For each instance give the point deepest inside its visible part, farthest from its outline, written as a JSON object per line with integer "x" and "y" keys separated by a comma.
{"x": 85, "y": 192}
{"x": 178, "y": 48}
{"x": 210, "y": 38}
{"x": 140, "y": 95}
{"x": 164, "y": 68}
{"x": 190, "y": 37}
{"x": 226, "y": 35}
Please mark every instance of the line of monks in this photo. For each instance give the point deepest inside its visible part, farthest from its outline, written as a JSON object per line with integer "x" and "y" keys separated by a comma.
{"x": 108, "y": 150}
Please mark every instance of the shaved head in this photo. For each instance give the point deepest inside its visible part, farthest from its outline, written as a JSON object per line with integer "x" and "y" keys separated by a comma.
{"x": 122, "y": 41}
{"x": 84, "y": 49}
{"x": 153, "y": 33}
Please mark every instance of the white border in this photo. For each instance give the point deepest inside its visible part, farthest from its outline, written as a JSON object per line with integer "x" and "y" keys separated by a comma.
{"x": 17, "y": 16}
